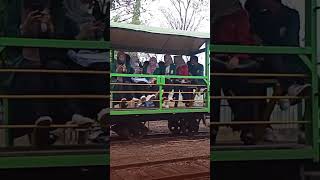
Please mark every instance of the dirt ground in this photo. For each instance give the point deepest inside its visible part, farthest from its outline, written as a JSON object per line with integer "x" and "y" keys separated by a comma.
{"x": 130, "y": 152}
{"x": 142, "y": 151}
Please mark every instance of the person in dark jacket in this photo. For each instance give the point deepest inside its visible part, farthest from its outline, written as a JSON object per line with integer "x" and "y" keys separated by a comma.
{"x": 121, "y": 66}
{"x": 182, "y": 70}
{"x": 169, "y": 70}
{"x": 195, "y": 68}
{"x": 279, "y": 25}
{"x": 232, "y": 27}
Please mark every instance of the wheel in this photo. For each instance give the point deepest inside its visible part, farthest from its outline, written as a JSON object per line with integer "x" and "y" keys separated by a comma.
{"x": 174, "y": 126}
{"x": 190, "y": 126}
{"x": 132, "y": 130}
{"x": 136, "y": 131}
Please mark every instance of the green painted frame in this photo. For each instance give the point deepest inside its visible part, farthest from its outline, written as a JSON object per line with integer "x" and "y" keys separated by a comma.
{"x": 160, "y": 83}
{"x": 35, "y": 161}
{"x": 308, "y": 56}
{"x": 160, "y": 79}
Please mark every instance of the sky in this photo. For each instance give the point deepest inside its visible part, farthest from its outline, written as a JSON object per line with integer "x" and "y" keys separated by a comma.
{"x": 158, "y": 20}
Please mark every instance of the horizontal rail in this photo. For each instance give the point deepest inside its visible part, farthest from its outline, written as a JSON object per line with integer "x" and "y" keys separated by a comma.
{"x": 157, "y": 108}
{"x": 258, "y": 75}
{"x": 151, "y": 163}
{"x": 155, "y": 76}
{"x": 138, "y": 92}
{"x": 54, "y": 96}
{"x": 259, "y": 49}
{"x": 189, "y": 85}
{"x": 49, "y": 126}
{"x": 169, "y": 101}
{"x": 53, "y": 71}
{"x": 192, "y": 100}
{"x": 256, "y": 123}
{"x": 134, "y": 84}
{"x": 54, "y": 43}
{"x": 149, "y": 92}
{"x": 259, "y": 97}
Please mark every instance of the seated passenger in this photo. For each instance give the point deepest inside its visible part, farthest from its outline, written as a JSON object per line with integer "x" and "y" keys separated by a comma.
{"x": 196, "y": 69}
{"x": 85, "y": 26}
{"x": 161, "y": 68}
{"x": 151, "y": 68}
{"x": 182, "y": 70}
{"x": 169, "y": 69}
{"x": 141, "y": 99}
{"x": 122, "y": 67}
{"x": 36, "y": 22}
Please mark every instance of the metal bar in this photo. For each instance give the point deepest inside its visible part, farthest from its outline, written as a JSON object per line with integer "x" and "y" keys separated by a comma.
{"x": 266, "y": 154}
{"x": 54, "y": 96}
{"x": 169, "y": 101}
{"x": 260, "y": 49}
{"x": 149, "y": 92}
{"x": 133, "y": 84}
{"x": 54, "y": 161}
{"x": 118, "y": 112}
{"x": 306, "y": 60}
{"x": 259, "y": 97}
{"x": 257, "y": 122}
{"x": 156, "y": 76}
{"x": 53, "y": 71}
{"x": 8, "y": 136}
{"x": 54, "y": 43}
{"x": 208, "y": 71}
{"x": 188, "y": 85}
{"x": 140, "y": 92}
{"x": 50, "y": 126}
{"x": 259, "y": 75}
{"x": 314, "y": 82}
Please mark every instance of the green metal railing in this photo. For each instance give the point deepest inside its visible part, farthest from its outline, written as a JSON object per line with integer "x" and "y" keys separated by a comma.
{"x": 307, "y": 54}
{"x": 54, "y": 160}
{"x": 161, "y": 84}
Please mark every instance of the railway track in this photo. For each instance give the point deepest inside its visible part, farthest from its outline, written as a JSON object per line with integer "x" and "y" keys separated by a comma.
{"x": 197, "y": 167}
{"x": 161, "y": 136}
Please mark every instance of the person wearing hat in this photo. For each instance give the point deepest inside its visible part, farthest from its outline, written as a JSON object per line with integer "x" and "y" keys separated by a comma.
{"x": 231, "y": 26}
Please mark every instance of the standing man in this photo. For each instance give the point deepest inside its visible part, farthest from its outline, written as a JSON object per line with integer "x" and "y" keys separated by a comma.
{"x": 231, "y": 26}
{"x": 279, "y": 25}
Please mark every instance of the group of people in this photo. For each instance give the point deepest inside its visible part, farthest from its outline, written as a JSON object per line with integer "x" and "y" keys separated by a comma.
{"x": 258, "y": 22}
{"x": 69, "y": 20}
{"x": 147, "y": 95}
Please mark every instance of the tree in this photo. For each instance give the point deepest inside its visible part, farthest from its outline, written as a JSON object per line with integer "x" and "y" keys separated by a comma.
{"x": 186, "y": 14}
{"x": 129, "y": 11}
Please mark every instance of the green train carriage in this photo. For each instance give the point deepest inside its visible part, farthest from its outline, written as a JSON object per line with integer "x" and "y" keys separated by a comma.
{"x": 129, "y": 38}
